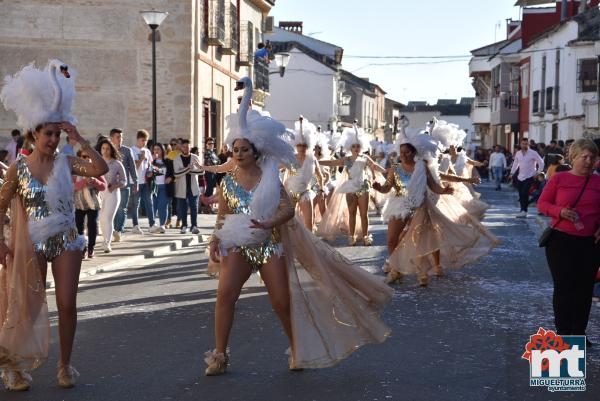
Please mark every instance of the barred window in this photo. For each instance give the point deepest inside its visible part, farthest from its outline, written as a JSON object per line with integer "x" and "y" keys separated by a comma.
{"x": 587, "y": 75}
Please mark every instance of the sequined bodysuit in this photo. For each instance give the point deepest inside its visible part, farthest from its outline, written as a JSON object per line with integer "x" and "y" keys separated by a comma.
{"x": 239, "y": 201}
{"x": 366, "y": 184}
{"x": 33, "y": 196}
{"x": 398, "y": 180}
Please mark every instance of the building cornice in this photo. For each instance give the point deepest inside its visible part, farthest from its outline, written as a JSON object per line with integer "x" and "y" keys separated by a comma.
{"x": 264, "y": 5}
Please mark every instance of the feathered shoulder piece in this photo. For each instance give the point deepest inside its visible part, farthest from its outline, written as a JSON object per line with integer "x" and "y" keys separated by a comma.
{"x": 40, "y": 96}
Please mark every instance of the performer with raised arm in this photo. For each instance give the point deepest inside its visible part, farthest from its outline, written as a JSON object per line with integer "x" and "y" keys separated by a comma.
{"x": 458, "y": 163}
{"x": 298, "y": 178}
{"x": 354, "y": 186}
{"x": 39, "y": 192}
{"x": 328, "y": 308}
{"x": 435, "y": 229}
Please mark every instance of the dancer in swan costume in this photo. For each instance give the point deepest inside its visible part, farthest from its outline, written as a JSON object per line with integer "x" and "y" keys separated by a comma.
{"x": 328, "y": 307}
{"x": 323, "y": 189}
{"x": 39, "y": 192}
{"x": 436, "y": 230}
{"x": 451, "y": 138}
{"x": 298, "y": 178}
{"x": 354, "y": 186}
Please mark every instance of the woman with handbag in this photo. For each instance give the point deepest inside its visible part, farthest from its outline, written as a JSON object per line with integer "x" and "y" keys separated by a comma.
{"x": 572, "y": 199}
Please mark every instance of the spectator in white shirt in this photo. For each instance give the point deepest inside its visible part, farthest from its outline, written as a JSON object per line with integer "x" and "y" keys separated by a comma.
{"x": 143, "y": 161}
{"x": 529, "y": 163}
{"x": 497, "y": 166}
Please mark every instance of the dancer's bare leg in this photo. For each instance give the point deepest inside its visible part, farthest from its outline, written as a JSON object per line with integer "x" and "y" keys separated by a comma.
{"x": 306, "y": 208}
{"x": 363, "y": 208}
{"x": 395, "y": 227}
{"x": 352, "y": 201}
{"x": 234, "y": 272}
{"x": 65, "y": 269}
{"x": 274, "y": 274}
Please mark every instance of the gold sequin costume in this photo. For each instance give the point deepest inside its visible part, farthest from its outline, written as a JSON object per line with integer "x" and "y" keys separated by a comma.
{"x": 33, "y": 195}
{"x": 238, "y": 201}
{"x": 307, "y": 193}
{"x": 398, "y": 180}
{"x": 366, "y": 184}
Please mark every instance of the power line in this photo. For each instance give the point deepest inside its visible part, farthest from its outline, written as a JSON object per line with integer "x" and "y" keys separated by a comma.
{"x": 408, "y": 57}
{"x": 409, "y": 63}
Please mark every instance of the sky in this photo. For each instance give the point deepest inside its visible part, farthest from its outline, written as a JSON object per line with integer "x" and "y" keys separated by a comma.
{"x": 405, "y": 28}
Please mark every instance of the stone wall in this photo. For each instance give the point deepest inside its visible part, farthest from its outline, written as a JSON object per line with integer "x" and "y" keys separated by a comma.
{"x": 107, "y": 43}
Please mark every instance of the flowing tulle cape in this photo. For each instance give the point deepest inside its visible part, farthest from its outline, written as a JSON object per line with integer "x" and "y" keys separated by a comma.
{"x": 335, "y": 306}
{"x": 440, "y": 224}
{"x": 335, "y": 221}
{"x": 25, "y": 328}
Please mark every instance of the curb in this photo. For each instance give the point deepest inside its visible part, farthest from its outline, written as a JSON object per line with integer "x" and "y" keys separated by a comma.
{"x": 145, "y": 254}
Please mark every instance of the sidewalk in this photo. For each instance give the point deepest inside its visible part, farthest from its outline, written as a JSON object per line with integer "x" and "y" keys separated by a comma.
{"x": 134, "y": 249}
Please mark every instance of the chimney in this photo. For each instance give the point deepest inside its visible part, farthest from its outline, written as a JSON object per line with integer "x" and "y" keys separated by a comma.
{"x": 292, "y": 26}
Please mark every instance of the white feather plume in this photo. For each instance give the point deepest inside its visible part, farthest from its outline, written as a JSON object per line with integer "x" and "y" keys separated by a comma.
{"x": 31, "y": 94}
{"x": 352, "y": 136}
{"x": 60, "y": 202}
{"x": 306, "y": 135}
{"x": 448, "y": 134}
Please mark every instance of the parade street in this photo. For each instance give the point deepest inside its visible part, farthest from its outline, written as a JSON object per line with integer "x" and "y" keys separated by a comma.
{"x": 143, "y": 332}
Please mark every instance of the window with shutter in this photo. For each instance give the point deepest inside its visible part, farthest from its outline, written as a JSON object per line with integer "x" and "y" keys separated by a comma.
{"x": 587, "y": 75}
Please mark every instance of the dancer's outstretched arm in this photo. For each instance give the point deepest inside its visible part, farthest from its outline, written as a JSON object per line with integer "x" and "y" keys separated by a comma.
{"x": 320, "y": 180}
{"x": 221, "y": 168}
{"x": 435, "y": 186}
{"x": 456, "y": 178}
{"x": 387, "y": 186}
{"x": 374, "y": 166}
{"x": 332, "y": 162}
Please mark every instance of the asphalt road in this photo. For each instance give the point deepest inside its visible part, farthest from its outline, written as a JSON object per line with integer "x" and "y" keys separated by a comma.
{"x": 143, "y": 332}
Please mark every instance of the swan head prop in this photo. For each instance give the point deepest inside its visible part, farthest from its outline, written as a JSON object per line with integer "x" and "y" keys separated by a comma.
{"x": 268, "y": 135}
{"x": 305, "y": 133}
{"x": 448, "y": 134}
{"x": 40, "y": 96}
{"x": 352, "y": 136}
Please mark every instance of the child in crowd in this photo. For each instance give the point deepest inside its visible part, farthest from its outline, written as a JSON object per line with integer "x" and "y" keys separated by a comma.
{"x": 537, "y": 187}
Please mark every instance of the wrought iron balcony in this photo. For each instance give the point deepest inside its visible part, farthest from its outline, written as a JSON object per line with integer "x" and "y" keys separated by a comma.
{"x": 261, "y": 75}
{"x": 216, "y": 23}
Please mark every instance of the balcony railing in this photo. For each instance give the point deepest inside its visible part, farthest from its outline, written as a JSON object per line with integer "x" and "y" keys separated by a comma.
{"x": 261, "y": 75}
{"x": 216, "y": 23}
{"x": 482, "y": 102}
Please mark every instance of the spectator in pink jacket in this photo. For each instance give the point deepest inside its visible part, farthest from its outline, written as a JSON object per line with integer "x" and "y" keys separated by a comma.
{"x": 573, "y": 250}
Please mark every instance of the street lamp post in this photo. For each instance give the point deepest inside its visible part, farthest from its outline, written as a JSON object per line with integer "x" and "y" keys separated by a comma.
{"x": 282, "y": 60}
{"x": 153, "y": 19}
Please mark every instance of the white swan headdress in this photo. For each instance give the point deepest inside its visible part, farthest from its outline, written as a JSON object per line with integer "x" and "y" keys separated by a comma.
{"x": 354, "y": 135}
{"x": 40, "y": 96}
{"x": 323, "y": 142}
{"x": 304, "y": 133}
{"x": 264, "y": 132}
{"x": 269, "y": 137}
{"x": 448, "y": 134}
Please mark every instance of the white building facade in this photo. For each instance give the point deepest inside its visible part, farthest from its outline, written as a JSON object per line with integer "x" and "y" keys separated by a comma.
{"x": 563, "y": 85}
{"x": 308, "y": 87}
